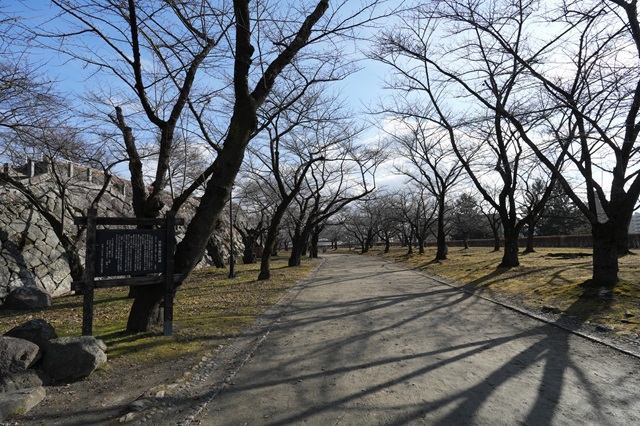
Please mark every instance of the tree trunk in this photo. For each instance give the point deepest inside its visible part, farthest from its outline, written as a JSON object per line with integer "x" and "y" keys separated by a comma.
{"x": 421, "y": 245}
{"x": 530, "y": 235}
{"x": 387, "y": 244}
{"x": 510, "y": 255}
{"x": 297, "y": 249}
{"x": 249, "y": 253}
{"x": 369, "y": 242}
{"x": 147, "y": 310}
{"x": 622, "y": 220}
{"x": 214, "y": 252}
{"x": 441, "y": 251}
{"x": 296, "y": 255}
{"x": 465, "y": 240}
{"x": 269, "y": 247}
{"x": 270, "y": 243}
{"x": 496, "y": 238}
{"x": 315, "y": 236}
{"x": 605, "y": 254}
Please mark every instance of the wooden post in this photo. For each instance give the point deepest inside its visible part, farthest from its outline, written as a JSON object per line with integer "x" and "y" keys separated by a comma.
{"x": 168, "y": 272}
{"x": 89, "y": 274}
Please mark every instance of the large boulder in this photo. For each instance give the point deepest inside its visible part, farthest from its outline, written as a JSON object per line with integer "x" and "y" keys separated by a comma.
{"x": 72, "y": 358}
{"x": 26, "y": 299}
{"x": 37, "y": 331}
{"x": 20, "y": 401}
{"x": 17, "y": 354}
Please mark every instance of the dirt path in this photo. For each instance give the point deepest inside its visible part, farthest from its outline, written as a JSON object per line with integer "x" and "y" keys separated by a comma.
{"x": 370, "y": 343}
{"x": 366, "y": 342}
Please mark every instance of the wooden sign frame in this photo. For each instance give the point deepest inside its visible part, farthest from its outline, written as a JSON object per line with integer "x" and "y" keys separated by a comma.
{"x": 136, "y": 266}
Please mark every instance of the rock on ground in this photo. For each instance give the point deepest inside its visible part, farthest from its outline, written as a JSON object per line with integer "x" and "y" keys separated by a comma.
{"x": 24, "y": 379}
{"x": 17, "y": 354}
{"x": 26, "y": 299}
{"x": 72, "y": 358}
{"x": 20, "y": 401}
{"x": 37, "y": 331}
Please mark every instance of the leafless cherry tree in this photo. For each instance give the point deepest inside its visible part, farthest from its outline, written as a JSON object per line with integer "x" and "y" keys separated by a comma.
{"x": 217, "y": 63}
{"x": 429, "y": 162}
{"x": 579, "y": 80}
{"x": 467, "y": 85}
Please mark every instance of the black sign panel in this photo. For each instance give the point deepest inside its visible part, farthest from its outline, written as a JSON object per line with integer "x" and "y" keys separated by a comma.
{"x": 127, "y": 252}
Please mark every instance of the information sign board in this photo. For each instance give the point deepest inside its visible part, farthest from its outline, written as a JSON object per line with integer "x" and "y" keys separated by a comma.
{"x": 129, "y": 252}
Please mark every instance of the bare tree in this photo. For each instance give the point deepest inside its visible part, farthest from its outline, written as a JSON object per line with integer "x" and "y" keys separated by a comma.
{"x": 389, "y": 221}
{"x": 465, "y": 219}
{"x": 27, "y": 95}
{"x": 58, "y": 178}
{"x": 419, "y": 211}
{"x": 584, "y": 76}
{"x": 306, "y": 132}
{"x": 161, "y": 48}
{"x": 361, "y": 222}
{"x": 492, "y": 148}
{"x": 346, "y": 176}
{"x": 430, "y": 162}
{"x": 494, "y": 221}
{"x": 36, "y": 125}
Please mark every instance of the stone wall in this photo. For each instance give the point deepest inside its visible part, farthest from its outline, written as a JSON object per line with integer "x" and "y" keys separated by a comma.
{"x": 30, "y": 252}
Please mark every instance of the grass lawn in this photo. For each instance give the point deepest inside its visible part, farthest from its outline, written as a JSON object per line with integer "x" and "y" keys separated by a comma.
{"x": 550, "y": 277}
{"x": 208, "y": 308}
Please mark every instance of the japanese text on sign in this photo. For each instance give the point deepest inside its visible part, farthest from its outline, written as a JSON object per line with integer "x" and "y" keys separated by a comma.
{"x": 126, "y": 252}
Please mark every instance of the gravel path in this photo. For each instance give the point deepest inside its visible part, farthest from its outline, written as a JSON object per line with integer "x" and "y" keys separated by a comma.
{"x": 367, "y": 342}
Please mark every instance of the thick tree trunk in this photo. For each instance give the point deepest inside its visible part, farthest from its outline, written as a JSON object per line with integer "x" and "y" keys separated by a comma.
{"x": 420, "y": 245}
{"x": 269, "y": 246}
{"x": 249, "y": 253}
{"x": 297, "y": 248}
{"x": 225, "y": 167}
{"x": 387, "y": 245}
{"x": 144, "y": 311}
{"x": 315, "y": 236}
{"x": 147, "y": 309}
{"x": 265, "y": 265}
{"x": 465, "y": 240}
{"x": 214, "y": 252}
{"x": 622, "y": 221}
{"x": 510, "y": 256}
{"x": 605, "y": 254}
{"x": 296, "y": 256}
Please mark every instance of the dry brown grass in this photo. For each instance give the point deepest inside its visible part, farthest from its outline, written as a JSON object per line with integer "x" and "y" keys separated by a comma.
{"x": 208, "y": 309}
{"x": 558, "y": 277}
